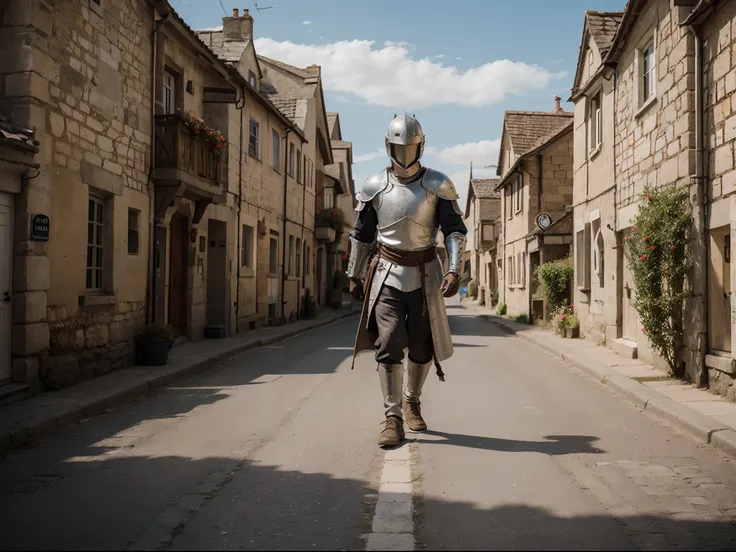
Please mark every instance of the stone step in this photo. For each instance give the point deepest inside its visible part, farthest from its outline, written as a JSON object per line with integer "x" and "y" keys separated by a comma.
{"x": 13, "y": 392}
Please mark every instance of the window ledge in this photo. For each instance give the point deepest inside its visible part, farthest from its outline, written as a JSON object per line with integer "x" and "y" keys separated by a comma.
{"x": 254, "y": 157}
{"x": 246, "y": 272}
{"x": 645, "y": 107}
{"x": 595, "y": 152}
{"x": 98, "y": 299}
{"x": 583, "y": 288}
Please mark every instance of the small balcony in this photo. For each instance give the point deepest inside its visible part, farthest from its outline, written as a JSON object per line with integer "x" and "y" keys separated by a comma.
{"x": 329, "y": 224}
{"x": 187, "y": 165}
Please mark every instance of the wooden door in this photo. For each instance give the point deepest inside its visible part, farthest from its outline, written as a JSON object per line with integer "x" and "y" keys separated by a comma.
{"x": 178, "y": 274}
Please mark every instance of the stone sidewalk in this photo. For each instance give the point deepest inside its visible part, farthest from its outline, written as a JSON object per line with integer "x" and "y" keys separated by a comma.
{"x": 708, "y": 417}
{"x": 27, "y": 421}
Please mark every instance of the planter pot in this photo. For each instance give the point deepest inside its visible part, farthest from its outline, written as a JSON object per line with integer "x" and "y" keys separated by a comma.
{"x": 572, "y": 333}
{"x": 154, "y": 352}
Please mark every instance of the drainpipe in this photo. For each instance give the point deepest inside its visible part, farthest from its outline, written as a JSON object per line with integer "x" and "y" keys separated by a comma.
{"x": 239, "y": 229}
{"x": 540, "y": 159}
{"x": 151, "y": 280}
{"x": 701, "y": 175}
{"x": 303, "y": 255}
{"x": 283, "y": 252}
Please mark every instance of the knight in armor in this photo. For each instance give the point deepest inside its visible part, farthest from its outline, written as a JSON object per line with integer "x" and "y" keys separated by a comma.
{"x": 395, "y": 270}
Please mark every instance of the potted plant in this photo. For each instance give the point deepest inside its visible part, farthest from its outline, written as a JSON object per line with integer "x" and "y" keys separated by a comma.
{"x": 154, "y": 344}
{"x": 572, "y": 328}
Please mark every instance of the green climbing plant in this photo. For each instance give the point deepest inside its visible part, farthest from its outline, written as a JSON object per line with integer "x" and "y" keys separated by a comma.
{"x": 659, "y": 258}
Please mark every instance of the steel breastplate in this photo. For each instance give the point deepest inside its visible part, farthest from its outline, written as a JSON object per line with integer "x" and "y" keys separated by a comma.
{"x": 407, "y": 216}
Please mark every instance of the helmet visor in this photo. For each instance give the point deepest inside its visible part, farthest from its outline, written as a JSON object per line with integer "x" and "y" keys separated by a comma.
{"x": 405, "y": 156}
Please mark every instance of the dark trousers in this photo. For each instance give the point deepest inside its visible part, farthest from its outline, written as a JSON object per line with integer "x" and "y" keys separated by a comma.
{"x": 402, "y": 322}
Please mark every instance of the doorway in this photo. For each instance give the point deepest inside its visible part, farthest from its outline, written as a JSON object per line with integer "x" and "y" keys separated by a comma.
{"x": 178, "y": 275}
{"x": 6, "y": 292}
{"x": 629, "y": 316}
{"x": 719, "y": 290}
{"x": 159, "y": 268}
{"x": 320, "y": 276}
{"x": 217, "y": 281}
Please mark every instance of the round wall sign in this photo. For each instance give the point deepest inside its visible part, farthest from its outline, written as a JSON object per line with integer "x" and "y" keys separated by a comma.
{"x": 544, "y": 220}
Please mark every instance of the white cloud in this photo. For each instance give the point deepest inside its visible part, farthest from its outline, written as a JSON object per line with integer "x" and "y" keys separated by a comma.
{"x": 389, "y": 76}
{"x": 307, "y": 23}
{"x": 481, "y": 153}
{"x": 380, "y": 152}
{"x": 212, "y": 29}
{"x": 438, "y": 56}
{"x": 459, "y": 58}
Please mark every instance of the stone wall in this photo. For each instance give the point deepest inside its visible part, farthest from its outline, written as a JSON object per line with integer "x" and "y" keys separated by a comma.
{"x": 655, "y": 142}
{"x": 80, "y": 74}
{"x": 719, "y": 35}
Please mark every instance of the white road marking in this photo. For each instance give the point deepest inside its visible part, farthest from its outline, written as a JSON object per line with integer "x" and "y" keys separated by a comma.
{"x": 393, "y": 521}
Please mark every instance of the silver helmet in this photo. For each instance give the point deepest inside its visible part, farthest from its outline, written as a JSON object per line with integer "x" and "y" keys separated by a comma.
{"x": 405, "y": 141}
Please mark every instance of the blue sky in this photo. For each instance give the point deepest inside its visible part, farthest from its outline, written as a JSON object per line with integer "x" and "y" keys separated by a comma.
{"x": 457, "y": 65}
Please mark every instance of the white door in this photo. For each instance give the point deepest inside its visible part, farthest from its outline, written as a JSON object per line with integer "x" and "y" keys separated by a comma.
{"x": 6, "y": 273}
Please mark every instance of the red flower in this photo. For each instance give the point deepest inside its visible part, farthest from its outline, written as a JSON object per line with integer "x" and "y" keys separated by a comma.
{"x": 643, "y": 257}
{"x": 634, "y": 227}
{"x": 652, "y": 248}
{"x": 334, "y": 213}
{"x": 218, "y": 146}
{"x": 628, "y": 237}
{"x": 672, "y": 246}
{"x": 563, "y": 317}
{"x": 646, "y": 238}
{"x": 649, "y": 198}
{"x": 643, "y": 331}
{"x": 222, "y": 138}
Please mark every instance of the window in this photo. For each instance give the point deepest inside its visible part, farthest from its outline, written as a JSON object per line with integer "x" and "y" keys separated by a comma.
{"x": 520, "y": 269}
{"x": 508, "y": 203}
{"x": 273, "y": 257}
{"x": 647, "y": 72}
{"x": 95, "y": 244}
{"x": 329, "y": 200}
{"x": 246, "y": 250}
{"x": 510, "y": 270}
{"x": 275, "y": 150}
{"x": 595, "y": 123}
{"x": 299, "y": 166}
{"x": 518, "y": 190}
{"x": 252, "y": 79}
{"x": 134, "y": 218}
{"x": 298, "y": 262}
{"x": 582, "y": 257}
{"x": 598, "y": 258}
{"x": 253, "y": 139}
{"x": 290, "y": 259}
{"x": 306, "y": 261}
{"x": 292, "y": 161}
{"x": 169, "y": 98}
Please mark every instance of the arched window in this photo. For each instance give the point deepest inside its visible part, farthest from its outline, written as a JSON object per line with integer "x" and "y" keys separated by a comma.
{"x": 598, "y": 257}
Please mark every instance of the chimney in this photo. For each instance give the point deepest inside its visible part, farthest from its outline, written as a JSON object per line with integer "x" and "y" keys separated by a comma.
{"x": 558, "y": 108}
{"x": 238, "y": 28}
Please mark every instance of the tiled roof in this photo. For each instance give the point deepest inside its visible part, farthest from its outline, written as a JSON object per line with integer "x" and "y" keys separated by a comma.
{"x": 287, "y": 106}
{"x": 525, "y": 128}
{"x": 603, "y": 27}
{"x": 16, "y": 135}
{"x": 307, "y": 73}
{"x": 483, "y": 188}
{"x": 226, "y": 50}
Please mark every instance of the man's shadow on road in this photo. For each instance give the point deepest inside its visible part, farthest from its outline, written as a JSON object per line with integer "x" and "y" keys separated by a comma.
{"x": 554, "y": 445}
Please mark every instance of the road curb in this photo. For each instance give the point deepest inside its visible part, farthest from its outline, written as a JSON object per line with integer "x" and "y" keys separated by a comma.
{"x": 702, "y": 427}
{"x": 61, "y": 416}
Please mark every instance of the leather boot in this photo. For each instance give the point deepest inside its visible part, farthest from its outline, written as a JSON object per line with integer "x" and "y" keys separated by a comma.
{"x": 417, "y": 375}
{"x": 392, "y": 433}
{"x": 392, "y": 378}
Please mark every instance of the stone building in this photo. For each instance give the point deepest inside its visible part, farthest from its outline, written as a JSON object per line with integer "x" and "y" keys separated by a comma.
{"x": 594, "y": 195}
{"x": 483, "y": 220}
{"x": 656, "y": 84}
{"x": 345, "y": 201}
{"x": 133, "y": 209}
{"x": 79, "y": 74}
{"x": 277, "y": 188}
{"x": 536, "y": 178}
{"x": 298, "y": 94}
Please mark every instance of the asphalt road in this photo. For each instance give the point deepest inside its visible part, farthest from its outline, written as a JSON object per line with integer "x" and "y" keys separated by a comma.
{"x": 275, "y": 449}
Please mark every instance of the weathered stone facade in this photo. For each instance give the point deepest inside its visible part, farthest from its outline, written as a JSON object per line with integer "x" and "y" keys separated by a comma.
{"x": 535, "y": 165}
{"x": 79, "y": 73}
{"x": 121, "y": 176}
{"x": 654, "y": 133}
